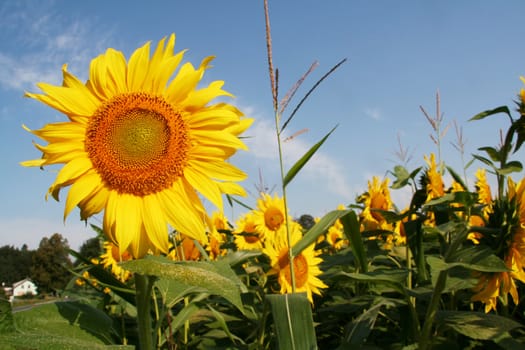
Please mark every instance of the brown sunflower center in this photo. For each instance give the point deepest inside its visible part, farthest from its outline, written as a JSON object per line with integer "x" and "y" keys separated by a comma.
{"x": 138, "y": 143}
{"x": 300, "y": 266}
{"x": 273, "y": 218}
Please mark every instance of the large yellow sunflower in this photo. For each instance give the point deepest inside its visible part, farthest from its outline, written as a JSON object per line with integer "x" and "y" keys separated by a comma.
{"x": 306, "y": 265}
{"x": 142, "y": 141}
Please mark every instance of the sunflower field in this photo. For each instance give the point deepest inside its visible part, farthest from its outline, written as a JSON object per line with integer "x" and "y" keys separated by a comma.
{"x": 145, "y": 146}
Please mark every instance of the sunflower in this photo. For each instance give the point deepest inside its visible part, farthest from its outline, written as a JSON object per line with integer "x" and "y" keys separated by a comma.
{"x": 509, "y": 217}
{"x": 335, "y": 234}
{"x": 217, "y": 224}
{"x": 111, "y": 258}
{"x": 141, "y": 143}
{"x": 186, "y": 249}
{"x": 376, "y": 198}
{"x": 269, "y": 215}
{"x": 246, "y": 236}
{"x": 306, "y": 265}
{"x": 435, "y": 187}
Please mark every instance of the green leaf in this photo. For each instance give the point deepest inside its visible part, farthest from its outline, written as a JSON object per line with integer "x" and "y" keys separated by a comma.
{"x": 224, "y": 326}
{"x": 304, "y": 159}
{"x": 61, "y": 325}
{"x": 353, "y": 233}
{"x": 484, "y": 160}
{"x": 213, "y": 277}
{"x": 318, "y": 229}
{"x": 493, "y": 153}
{"x": 402, "y": 177}
{"x": 363, "y": 325}
{"x": 294, "y": 325}
{"x": 510, "y": 167}
{"x": 391, "y": 278}
{"x": 491, "y": 264}
{"x": 484, "y": 114}
{"x": 240, "y": 256}
{"x": 457, "y": 177}
{"x": 476, "y": 325}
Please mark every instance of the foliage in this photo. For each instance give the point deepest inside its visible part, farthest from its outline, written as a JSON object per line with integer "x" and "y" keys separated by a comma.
{"x": 51, "y": 264}
{"x": 445, "y": 271}
{"x": 15, "y": 263}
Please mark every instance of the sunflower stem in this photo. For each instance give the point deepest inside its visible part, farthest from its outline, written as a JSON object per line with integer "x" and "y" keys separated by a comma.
{"x": 144, "y": 287}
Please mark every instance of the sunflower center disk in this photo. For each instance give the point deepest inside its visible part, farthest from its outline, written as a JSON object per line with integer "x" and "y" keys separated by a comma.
{"x": 273, "y": 218}
{"x": 300, "y": 266}
{"x": 137, "y": 143}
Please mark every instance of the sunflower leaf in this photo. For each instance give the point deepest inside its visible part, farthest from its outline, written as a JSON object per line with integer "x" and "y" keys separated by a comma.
{"x": 476, "y": 325}
{"x": 484, "y": 114}
{"x": 353, "y": 233}
{"x": 213, "y": 277}
{"x": 304, "y": 159}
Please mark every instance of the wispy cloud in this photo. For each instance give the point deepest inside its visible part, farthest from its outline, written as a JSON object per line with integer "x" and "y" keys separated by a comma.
{"x": 373, "y": 113}
{"x": 321, "y": 168}
{"x": 45, "y": 41}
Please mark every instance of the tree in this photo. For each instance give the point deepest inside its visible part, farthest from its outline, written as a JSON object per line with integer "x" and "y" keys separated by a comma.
{"x": 51, "y": 264}
{"x": 90, "y": 249}
{"x": 15, "y": 264}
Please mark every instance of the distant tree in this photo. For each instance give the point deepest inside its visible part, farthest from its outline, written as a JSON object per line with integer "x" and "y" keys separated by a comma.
{"x": 51, "y": 264}
{"x": 90, "y": 249}
{"x": 15, "y": 264}
{"x": 306, "y": 221}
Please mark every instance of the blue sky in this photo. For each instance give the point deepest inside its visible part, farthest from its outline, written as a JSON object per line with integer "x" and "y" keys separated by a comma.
{"x": 400, "y": 53}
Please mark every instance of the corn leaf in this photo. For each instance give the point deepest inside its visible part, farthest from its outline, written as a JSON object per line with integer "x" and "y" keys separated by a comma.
{"x": 304, "y": 159}
{"x": 292, "y": 316}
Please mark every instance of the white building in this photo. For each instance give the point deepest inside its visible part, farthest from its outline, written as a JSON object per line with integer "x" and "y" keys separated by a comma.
{"x": 24, "y": 287}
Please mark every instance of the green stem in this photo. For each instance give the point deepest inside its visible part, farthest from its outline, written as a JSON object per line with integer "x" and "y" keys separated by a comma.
{"x": 424, "y": 340}
{"x": 143, "y": 287}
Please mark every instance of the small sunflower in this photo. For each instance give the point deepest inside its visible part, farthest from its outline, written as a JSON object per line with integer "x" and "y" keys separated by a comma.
{"x": 184, "y": 250}
{"x": 435, "y": 187}
{"x": 509, "y": 217}
{"x": 246, "y": 236}
{"x": 376, "y": 198}
{"x": 484, "y": 191}
{"x": 111, "y": 258}
{"x": 141, "y": 142}
{"x": 269, "y": 215}
{"x": 306, "y": 265}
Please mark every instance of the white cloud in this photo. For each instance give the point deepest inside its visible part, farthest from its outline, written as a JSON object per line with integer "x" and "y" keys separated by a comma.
{"x": 374, "y": 113}
{"x": 46, "y": 40}
{"x": 321, "y": 167}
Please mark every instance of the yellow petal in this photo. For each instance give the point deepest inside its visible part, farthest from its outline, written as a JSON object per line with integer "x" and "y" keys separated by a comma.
{"x": 81, "y": 188}
{"x": 199, "y": 98}
{"x": 218, "y": 170}
{"x": 72, "y": 170}
{"x": 138, "y": 68}
{"x": 66, "y": 100}
{"x": 204, "y": 185}
{"x": 182, "y": 214}
{"x": 95, "y": 203}
{"x": 155, "y": 222}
